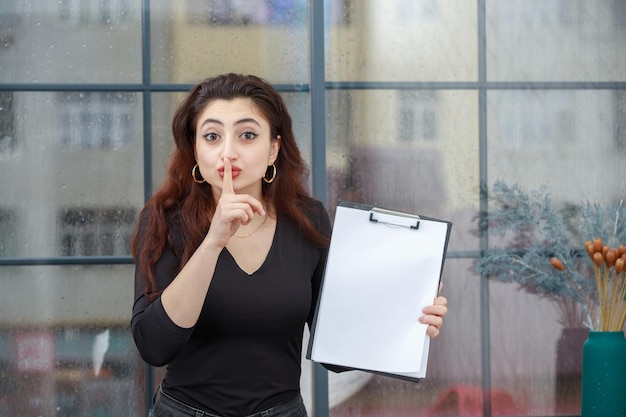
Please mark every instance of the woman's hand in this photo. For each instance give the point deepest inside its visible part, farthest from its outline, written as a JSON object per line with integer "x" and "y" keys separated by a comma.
{"x": 232, "y": 210}
{"x": 434, "y": 314}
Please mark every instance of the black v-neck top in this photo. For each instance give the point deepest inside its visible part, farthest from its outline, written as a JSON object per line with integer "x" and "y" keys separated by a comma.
{"x": 243, "y": 355}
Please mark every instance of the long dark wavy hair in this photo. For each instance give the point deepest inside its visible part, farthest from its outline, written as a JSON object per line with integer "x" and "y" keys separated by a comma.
{"x": 189, "y": 204}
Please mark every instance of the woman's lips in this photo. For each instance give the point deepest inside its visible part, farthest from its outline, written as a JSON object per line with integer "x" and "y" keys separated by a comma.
{"x": 236, "y": 171}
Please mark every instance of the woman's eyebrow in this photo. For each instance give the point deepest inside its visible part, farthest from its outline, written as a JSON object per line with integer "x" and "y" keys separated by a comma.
{"x": 238, "y": 122}
{"x": 247, "y": 120}
{"x": 210, "y": 120}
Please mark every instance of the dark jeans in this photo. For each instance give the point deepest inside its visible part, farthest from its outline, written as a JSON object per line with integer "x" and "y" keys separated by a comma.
{"x": 166, "y": 406}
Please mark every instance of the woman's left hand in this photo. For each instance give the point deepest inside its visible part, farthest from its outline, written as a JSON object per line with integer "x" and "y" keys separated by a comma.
{"x": 434, "y": 314}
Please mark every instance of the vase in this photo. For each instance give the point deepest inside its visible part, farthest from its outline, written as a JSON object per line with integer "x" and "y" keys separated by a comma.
{"x": 604, "y": 375}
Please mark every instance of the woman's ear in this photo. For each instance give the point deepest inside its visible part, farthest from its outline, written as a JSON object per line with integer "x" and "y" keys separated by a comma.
{"x": 275, "y": 148}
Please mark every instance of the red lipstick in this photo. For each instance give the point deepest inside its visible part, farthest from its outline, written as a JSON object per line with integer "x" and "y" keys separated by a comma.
{"x": 236, "y": 171}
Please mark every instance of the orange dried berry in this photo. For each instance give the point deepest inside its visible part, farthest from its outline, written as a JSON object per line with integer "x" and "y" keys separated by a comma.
{"x": 597, "y": 244}
{"x": 598, "y": 259}
{"x": 610, "y": 257}
{"x": 557, "y": 264}
{"x": 619, "y": 265}
{"x": 589, "y": 247}
{"x": 622, "y": 250}
{"x": 605, "y": 250}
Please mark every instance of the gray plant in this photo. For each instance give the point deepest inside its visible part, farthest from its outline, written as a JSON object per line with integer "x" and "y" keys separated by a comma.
{"x": 536, "y": 230}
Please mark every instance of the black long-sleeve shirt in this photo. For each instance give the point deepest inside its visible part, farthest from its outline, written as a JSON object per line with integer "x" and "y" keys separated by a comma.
{"x": 243, "y": 355}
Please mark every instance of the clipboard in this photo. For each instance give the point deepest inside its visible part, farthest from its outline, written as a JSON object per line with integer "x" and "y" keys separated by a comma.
{"x": 383, "y": 268}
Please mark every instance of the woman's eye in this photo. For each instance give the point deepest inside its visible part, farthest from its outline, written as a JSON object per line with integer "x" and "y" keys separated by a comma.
{"x": 211, "y": 136}
{"x": 248, "y": 135}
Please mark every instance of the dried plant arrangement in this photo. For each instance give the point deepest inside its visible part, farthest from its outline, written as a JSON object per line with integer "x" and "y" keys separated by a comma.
{"x": 608, "y": 307}
{"x": 550, "y": 252}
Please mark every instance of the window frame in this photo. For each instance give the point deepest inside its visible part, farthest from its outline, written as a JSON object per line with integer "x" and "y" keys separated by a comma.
{"x": 317, "y": 88}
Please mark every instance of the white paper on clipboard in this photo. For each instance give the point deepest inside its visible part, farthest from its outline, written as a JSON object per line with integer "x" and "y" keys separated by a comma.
{"x": 383, "y": 268}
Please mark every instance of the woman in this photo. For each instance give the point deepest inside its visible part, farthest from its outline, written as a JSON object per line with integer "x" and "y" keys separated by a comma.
{"x": 229, "y": 258}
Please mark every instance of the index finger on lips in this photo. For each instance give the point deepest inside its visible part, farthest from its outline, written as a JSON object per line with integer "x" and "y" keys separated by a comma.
{"x": 227, "y": 183}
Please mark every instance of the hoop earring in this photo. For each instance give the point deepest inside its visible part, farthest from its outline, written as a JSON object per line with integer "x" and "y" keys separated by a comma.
{"x": 193, "y": 175}
{"x": 271, "y": 180}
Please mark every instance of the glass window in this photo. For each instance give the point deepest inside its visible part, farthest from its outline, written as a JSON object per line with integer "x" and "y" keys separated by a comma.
{"x": 426, "y": 162}
{"x": 72, "y": 41}
{"x": 568, "y": 139}
{"x": 404, "y": 41}
{"x": 89, "y": 12}
{"x": 412, "y": 11}
{"x": 90, "y": 120}
{"x": 427, "y": 105}
{"x": 70, "y": 353}
{"x": 536, "y": 118}
{"x": 562, "y": 131}
{"x": 418, "y": 116}
{"x": 7, "y": 122}
{"x": 80, "y": 147}
{"x": 245, "y": 12}
{"x": 96, "y": 231}
{"x": 268, "y": 38}
{"x": 7, "y": 232}
{"x": 525, "y": 40}
{"x": 619, "y": 15}
{"x": 620, "y": 119}
{"x": 265, "y": 38}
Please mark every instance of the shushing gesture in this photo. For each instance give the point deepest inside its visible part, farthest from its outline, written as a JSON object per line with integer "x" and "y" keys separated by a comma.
{"x": 233, "y": 210}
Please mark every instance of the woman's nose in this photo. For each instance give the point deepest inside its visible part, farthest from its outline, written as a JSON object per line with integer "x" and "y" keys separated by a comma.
{"x": 229, "y": 150}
